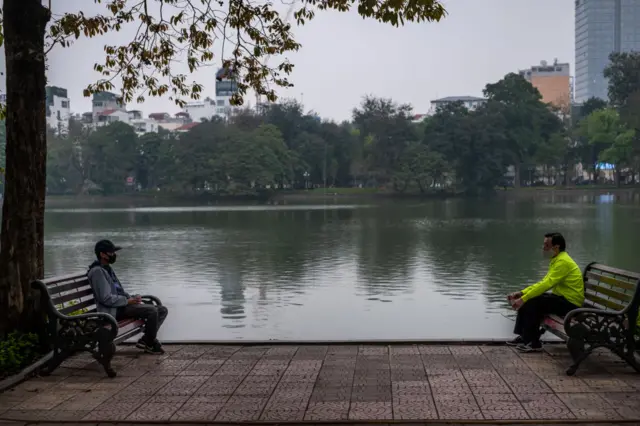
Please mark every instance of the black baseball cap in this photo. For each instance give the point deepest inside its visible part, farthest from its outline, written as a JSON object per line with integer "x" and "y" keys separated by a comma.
{"x": 106, "y": 246}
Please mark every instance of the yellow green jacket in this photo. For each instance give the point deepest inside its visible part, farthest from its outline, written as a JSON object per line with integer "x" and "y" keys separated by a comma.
{"x": 564, "y": 279}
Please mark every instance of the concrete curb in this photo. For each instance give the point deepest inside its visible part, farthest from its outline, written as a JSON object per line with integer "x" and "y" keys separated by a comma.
{"x": 23, "y": 375}
{"x": 331, "y": 422}
{"x": 452, "y": 342}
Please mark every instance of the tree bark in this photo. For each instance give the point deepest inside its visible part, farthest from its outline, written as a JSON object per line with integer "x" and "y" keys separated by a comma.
{"x": 22, "y": 226}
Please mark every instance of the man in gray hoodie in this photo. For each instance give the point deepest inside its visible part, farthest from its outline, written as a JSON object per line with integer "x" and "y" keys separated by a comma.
{"x": 113, "y": 300}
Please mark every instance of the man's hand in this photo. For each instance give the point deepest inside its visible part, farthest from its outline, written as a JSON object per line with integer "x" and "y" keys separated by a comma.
{"x": 134, "y": 301}
{"x": 517, "y": 304}
{"x": 516, "y": 295}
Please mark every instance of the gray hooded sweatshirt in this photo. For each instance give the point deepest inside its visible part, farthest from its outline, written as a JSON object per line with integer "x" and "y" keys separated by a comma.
{"x": 107, "y": 289}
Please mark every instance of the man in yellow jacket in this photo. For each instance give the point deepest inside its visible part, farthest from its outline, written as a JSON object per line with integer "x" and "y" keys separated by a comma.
{"x": 565, "y": 281}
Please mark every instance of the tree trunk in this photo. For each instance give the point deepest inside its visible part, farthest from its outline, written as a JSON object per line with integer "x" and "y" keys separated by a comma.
{"x": 22, "y": 228}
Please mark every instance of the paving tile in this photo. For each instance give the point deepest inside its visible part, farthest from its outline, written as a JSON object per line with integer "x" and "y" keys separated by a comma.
{"x": 331, "y": 410}
{"x": 545, "y": 406}
{"x": 185, "y": 385}
{"x": 44, "y": 415}
{"x": 457, "y": 407}
{"x": 46, "y": 400}
{"x": 370, "y": 411}
{"x": 238, "y": 414}
{"x": 501, "y": 407}
{"x": 200, "y": 383}
{"x": 85, "y": 401}
{"x": 197, "y": 412}
{"x": 157, "y": 408}
{"x": 291, "y": 412}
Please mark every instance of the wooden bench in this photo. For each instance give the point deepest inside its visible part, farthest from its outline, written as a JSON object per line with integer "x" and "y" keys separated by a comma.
{"x": 607, "y": 318}
{"x": 73, "y": 324}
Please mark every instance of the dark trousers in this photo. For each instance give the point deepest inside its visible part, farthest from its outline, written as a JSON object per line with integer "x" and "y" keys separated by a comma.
{"x": 152, "y": 315}
{"x": 531, "y": 314}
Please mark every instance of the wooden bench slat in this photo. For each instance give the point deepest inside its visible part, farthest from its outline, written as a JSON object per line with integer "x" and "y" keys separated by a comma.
{"x": 76, "y": 295}
{"x": 78, "y": 306}
{"x": 603, "y": 302}
{"x": 611, "y": 281}
{"x": 623, "y": 297}
{"x": 616, "y": 271}
{"x": 66, "y": 287}
{"x": 64, "y": 278}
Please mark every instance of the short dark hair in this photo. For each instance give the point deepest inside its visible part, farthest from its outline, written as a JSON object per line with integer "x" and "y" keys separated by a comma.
{"x": 557, "y": 240}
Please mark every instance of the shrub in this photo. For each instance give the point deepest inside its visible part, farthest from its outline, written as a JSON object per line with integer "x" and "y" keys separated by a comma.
{"x": 17, "y": 351}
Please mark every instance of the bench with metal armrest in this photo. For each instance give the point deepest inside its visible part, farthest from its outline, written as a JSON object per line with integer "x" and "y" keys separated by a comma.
{"x": 73, "y": 325}
{"x": 607, "y": 319}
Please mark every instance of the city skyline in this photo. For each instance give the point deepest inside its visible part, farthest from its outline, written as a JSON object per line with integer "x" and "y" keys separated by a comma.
{"x": 474, "y": 45}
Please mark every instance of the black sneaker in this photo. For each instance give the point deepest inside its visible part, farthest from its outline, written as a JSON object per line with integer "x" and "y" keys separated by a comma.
{"x": 154, "y": 348}
{"x": 515, "y": 342}
{"x": 142, "y": 344}
{"x": 529, "y": 347}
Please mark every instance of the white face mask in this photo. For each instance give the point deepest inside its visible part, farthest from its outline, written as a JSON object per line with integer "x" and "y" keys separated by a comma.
{"x": 547, "y": 254}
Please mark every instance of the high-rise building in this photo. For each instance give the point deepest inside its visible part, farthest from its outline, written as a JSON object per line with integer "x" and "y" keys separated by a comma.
{"x": 553, "y": 81}
{"x": 602, "y": 27}
{"x": 226, "y": 87}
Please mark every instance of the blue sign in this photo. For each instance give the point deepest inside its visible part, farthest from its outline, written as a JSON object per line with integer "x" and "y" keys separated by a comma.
{"x": 605, "y": 166}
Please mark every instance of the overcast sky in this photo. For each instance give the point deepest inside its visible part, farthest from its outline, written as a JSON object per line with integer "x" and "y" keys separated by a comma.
{"x": 344, "y": 57}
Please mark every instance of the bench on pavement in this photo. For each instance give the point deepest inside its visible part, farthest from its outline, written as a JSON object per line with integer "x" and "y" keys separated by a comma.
{"x": 73, "y": 325}
{"x": 607, "y": 319}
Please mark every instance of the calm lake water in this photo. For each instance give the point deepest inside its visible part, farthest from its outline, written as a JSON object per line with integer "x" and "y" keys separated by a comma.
{"x": 387, "y": 270}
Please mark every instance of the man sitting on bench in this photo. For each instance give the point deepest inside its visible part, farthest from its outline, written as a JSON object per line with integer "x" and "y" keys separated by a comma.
{"x": 113, "y": 300}
{"x": 533, "y": 303}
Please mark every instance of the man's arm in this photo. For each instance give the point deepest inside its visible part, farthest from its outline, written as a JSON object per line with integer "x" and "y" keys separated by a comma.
{"x": 556, "y": 274}
{"x": 102, "y": 290}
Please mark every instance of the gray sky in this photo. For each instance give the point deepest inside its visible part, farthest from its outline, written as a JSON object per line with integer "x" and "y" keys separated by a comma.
{"x": 344, "y": 57}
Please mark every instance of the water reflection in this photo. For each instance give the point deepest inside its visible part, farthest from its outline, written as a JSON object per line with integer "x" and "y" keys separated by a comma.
{"x": 436, "y": 269}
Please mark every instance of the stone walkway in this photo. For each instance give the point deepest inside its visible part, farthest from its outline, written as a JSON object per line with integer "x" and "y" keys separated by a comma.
{"x": 324, "y": 383}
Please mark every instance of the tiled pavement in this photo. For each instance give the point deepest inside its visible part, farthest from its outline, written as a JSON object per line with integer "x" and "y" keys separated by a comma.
{"x": 325, "y": 383}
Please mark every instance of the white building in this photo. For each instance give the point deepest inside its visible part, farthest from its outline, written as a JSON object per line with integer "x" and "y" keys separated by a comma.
{"x": 470, "y": 102}
{"x": 144, "y": 125}
{"x": 58, "y": 109}
{"x": 109, "y": 116}
{"x": 221, "y": 106}
{"x": 201, "y": 110}
{"x": 105, "y": 101}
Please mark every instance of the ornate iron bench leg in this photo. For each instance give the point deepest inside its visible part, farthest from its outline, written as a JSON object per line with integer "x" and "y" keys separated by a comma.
{"x": 59, "y": 355}
{"x": 576, "y": 344}
{"x": 578, "y": 353}
{"x": 106, "y": 350}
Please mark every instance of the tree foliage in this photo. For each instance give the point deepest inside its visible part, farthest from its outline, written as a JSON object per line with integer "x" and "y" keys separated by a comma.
{"x": 194, "y": 31}
{"x": 605, "y": 128}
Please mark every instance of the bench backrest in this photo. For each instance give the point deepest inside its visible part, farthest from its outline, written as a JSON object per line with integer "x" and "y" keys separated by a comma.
{"x": 71, "y": 293}
{"x": 610, "y": 288}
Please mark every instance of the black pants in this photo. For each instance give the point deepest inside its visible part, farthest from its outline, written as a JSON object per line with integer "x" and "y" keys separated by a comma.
{"x": 531, "y": 314}
{"x": 152, "y": 315}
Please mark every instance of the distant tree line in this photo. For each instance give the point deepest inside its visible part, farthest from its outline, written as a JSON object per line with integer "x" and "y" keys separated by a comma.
{"x": 282, "y": 147}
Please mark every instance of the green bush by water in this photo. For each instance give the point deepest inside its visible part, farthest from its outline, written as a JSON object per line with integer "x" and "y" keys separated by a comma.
{"x": 17, "y": 351}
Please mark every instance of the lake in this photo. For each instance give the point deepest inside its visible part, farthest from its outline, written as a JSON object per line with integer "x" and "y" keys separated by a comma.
{"x": 335, "y": 271}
